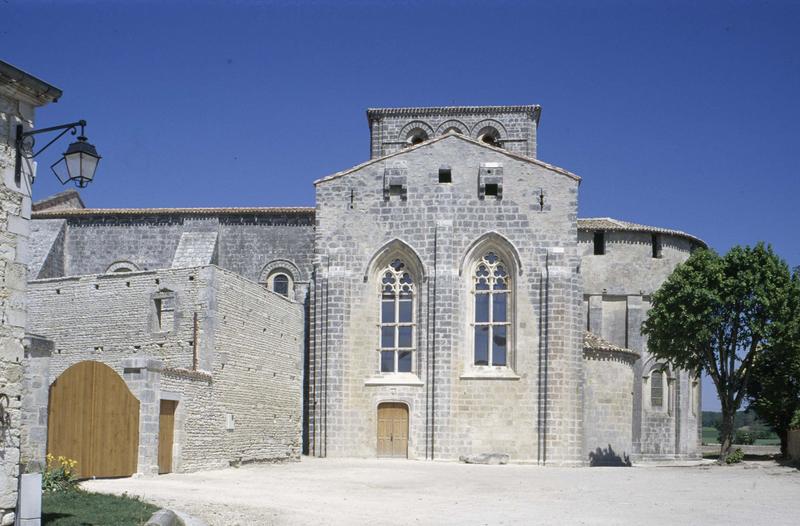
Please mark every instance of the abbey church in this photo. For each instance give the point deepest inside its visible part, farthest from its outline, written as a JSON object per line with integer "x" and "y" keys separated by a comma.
{"x": 443, "y": 299}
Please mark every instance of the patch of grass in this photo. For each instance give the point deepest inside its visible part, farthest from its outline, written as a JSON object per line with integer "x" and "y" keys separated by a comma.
{"x": 768, "y": 442}
{"x": 80, "y": 508}
{"x": 710, "y": 435}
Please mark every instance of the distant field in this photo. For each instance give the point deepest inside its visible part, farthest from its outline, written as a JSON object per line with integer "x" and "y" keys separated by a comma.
{"x": 710, "y": 435}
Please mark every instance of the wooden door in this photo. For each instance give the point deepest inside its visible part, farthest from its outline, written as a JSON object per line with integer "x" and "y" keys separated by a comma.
{"x": 166, "y": 427}
{"x": 393, "y": 430}
{"x": 93, "y": 418}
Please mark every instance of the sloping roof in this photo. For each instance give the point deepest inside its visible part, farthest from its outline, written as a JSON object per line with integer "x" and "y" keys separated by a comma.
{"x": 90, "y": 212}
{"x": 450, "y": 135}
{"x": 593, "y": 342}
{"x": 66, "y": 200}
{"x": 609, "y": 224}
{"x": 39, "y": 91}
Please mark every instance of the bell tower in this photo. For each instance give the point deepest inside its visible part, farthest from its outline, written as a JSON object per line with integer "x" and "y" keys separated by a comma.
{"x": 510, "y": 127}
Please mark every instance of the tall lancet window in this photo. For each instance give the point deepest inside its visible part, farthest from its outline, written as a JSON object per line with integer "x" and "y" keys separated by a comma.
{"x": 397, "y": 318}
{"x": 492, "y": 290}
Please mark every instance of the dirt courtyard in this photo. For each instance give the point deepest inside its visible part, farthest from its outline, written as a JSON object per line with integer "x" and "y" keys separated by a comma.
{"x": 328, "y": 491}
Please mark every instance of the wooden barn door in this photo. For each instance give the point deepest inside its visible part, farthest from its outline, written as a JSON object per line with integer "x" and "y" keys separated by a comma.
{"x": 166, "y": 429}
{"x": 93, "y": 418}
{"x": 393, "y": 430}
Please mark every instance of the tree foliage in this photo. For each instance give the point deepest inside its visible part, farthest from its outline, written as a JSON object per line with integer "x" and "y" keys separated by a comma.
{"x": 774, "y": 389}
{"x": 716, "y": 314}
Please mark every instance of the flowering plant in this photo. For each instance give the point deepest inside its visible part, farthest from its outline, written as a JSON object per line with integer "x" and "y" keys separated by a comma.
{"x": 59, "y": 474}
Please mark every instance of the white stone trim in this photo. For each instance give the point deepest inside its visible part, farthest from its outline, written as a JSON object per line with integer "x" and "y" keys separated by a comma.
{"x": 122, "y": 266}
{"x": 395, "y": 379}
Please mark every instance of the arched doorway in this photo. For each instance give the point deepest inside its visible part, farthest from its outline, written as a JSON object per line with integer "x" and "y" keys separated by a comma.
{"x": 92, "y": 417}
{"x": 392, "y": 430}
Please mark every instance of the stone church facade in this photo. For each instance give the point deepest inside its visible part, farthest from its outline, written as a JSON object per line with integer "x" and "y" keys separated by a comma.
{"x": 443, "y": 299}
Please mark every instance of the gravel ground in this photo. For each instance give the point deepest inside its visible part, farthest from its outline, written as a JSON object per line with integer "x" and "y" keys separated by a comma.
{"x": 339, "y": 492}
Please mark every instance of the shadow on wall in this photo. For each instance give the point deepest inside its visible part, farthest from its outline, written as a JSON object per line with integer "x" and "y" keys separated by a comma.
{"x": 608, "y": 457}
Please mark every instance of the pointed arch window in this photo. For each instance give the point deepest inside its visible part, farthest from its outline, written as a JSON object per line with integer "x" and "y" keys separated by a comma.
{"x": 397, "y": 325}
{"x": 491, "y": 319}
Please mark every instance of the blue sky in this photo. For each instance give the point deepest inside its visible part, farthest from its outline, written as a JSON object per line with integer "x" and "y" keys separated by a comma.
{"x": 679, "y": 114}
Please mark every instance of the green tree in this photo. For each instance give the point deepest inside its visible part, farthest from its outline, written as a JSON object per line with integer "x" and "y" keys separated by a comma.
{"x": 715, "y": 314}
{"x": 774, "y": 389}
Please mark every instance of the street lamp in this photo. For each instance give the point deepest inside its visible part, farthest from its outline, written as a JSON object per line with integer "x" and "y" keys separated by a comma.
{"x": 80, "y": 159}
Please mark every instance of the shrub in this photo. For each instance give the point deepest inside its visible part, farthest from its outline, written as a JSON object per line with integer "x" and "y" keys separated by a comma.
{"x": 744, "y": 437}
{"x": 735, "y": 457}
{"x": 59, "y": 474}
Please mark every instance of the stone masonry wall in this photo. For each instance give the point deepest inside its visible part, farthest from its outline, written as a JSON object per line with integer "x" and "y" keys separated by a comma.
{"x": 247, "y": 344}
{"x": 47, "y": 249}
{"x": 617, "y": 290}
{"x": 608, "y": 406}
{"x": 516, "y": 125}
{"x": 438, "y": 229}
{"x": 248, "y": 245}
{"x": 15, "y": 210}
{"x": 245, "y": 243}
{"x": 95, "y": 243}
{"x": 259, "y": 369}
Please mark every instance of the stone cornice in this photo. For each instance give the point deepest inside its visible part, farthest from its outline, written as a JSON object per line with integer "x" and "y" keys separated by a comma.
{"x": 617, "y": 225}
{"x": 128, "y": 212}
{"x": 534, "y": 110}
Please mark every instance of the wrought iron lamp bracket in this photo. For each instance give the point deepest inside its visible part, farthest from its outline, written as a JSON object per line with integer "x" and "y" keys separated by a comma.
{"x": 26, "y": 142}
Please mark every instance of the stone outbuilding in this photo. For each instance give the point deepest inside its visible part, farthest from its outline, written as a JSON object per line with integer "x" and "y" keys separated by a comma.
{"x": 188, "y": 368}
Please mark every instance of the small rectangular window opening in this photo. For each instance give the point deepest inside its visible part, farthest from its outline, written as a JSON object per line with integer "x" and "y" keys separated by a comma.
{"x": 445, "y": 175}
{"x": 599, "y": 243}
{"x": 396, "y": 190}
{"x": 656, "y": 242}
{"x": 165, "y": 311}
{"x": 491, "y": 189}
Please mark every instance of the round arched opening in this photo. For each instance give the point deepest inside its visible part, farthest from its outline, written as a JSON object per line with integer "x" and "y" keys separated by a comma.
{"x": 489, "y": 136}
{"x": 280, "y": 284}
{"x": 122, "y": 266}
{"x": 416, "y": 136}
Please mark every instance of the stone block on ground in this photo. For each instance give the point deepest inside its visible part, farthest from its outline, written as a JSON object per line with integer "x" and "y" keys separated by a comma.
{"x": 485, "y": 458}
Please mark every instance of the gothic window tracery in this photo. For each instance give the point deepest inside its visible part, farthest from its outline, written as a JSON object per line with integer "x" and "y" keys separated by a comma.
{"x": 491, "y": 320}
{"x": 397, "y": 325}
